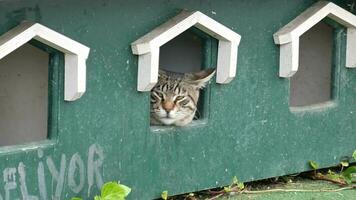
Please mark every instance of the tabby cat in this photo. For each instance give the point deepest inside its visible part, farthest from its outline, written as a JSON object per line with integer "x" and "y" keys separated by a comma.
{"x": 175, "y": 96}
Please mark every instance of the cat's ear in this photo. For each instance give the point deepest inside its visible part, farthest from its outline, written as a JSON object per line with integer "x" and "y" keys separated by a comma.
{"x": 201, "y": 78}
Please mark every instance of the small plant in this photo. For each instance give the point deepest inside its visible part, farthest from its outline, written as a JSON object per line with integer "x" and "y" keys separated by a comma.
{"x": 313, "y": 165}
{"x": 164, "y": 195}
{"x": 111, "y": 191}
{"x": 235, "y": 185}
{"x": 344, "y": 177}
{"x": 348, "y": 173}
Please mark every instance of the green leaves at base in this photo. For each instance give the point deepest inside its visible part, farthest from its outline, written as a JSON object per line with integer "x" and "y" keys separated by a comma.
{"x": 227, "y": 189}
{"x": 235, "y": 181}
{"x": 235, "y": 184}
{"x": 313, "y": 164}
{"x": 241, "y": 185}
{"x": 332, "y": 176}
{"x": 113, "y": 191}
{"x": 164, "y": 195}
{"x": 344, "y": 163}
{"x": 347, "y": 174}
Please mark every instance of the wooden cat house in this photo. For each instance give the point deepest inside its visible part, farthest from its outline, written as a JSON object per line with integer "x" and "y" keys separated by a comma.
{"x": 75, "y": 81}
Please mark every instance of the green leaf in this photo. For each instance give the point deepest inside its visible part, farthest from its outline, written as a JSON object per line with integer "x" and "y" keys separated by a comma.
{"x": 227, "y": 189}
{"x": 126, "y": 189}
{"x": 354, "y": 155}
{"x": 164, "y": 195}
{"x": 348, "y": 180}
{"x": 313, "y": 164}
{"x": 331, "y": 172}
{"x": 235, "y": 180}
{"x": 347, "y": 174}
{"x": 114, "y": 189}
{"x": 109, "y": 188}
{"x": 76, "y": 198}
{"x": 349, "y": 171}
{"x": 344, "y": 163}
{"x": 97, "y": 198}
{"x": 241, "y": 186}
{"x": 114, "y": 196}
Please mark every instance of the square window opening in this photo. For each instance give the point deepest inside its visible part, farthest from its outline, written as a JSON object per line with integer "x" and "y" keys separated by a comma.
{"x": 190, "y": 52}
{"x": 313, "y": 86}
{"x": 28, "y": 85}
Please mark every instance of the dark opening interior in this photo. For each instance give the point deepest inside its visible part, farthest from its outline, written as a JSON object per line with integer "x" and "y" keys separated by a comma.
{"x": 24, "y": 96}
{"x": 312, "y": 84}
{"x": 183, "y": 54}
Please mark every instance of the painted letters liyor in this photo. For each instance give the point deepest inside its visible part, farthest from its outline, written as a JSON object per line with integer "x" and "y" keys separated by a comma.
{"x": 71, "y": 171}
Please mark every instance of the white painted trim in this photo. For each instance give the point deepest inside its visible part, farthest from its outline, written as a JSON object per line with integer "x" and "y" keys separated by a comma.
{"x": 147, "y": 47}
{"x": 288, "y": 36}
{"x": 147, "y": 69}
{"x": 289, "y": 59}
{"x": 351, "y": 48}
{"x": 75, "y": 53}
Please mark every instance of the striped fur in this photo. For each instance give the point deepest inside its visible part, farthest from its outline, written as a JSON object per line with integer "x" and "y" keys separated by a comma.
{"x": 175, "y": 96}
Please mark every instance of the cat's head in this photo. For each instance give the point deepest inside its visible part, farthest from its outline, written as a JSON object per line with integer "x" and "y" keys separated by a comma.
{"x": 175, "y": 96}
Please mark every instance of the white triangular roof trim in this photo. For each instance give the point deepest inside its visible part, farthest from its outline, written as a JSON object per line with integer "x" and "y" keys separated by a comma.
{"x": 75, "y": 53}
{"x": 288, "y": 36}
{"x": 147, "y": 47}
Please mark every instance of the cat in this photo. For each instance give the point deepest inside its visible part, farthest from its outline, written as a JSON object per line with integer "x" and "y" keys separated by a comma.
{"x": 175, "y": 96}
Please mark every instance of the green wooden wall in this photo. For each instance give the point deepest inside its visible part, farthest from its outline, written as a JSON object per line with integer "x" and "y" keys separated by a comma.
{"x": 249, "y": 131}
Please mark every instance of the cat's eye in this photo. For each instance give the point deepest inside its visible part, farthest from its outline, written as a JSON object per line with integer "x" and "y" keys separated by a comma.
{"x": 184, "y": 102}
{"x": 178, "y": 98}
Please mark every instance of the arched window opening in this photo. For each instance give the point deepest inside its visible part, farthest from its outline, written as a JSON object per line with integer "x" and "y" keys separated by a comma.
{"x": 24, "y": 96}
{"x": 312, "y": 83}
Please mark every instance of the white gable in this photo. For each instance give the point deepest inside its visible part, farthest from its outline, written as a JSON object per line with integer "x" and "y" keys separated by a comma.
{"x": 147, "y": 47}
{"x": 75, "y": 53}
{"x": 288, "y": 36}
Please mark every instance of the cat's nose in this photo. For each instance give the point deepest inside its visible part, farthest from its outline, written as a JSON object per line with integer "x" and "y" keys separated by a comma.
{"x": 168, "y": 105}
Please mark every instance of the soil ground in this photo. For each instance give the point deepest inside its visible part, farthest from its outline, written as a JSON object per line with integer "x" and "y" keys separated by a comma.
{"x": 304, "y": 184}
{"x": 290, "y": 188}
